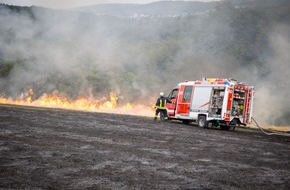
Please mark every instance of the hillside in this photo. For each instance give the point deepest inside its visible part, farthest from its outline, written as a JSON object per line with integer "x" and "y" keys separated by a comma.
{"x": 174, "y": 8}
{"x": 156, "y": 9}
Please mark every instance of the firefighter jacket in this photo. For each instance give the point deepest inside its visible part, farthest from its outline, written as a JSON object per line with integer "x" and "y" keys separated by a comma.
{"x": 161, "y": 103}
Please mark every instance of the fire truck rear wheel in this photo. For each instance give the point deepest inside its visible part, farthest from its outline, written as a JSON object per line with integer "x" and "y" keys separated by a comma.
{"x": 202, "y": 121}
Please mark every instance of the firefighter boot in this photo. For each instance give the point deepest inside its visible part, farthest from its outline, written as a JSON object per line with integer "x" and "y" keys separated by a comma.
{"x": 155, "y": 118}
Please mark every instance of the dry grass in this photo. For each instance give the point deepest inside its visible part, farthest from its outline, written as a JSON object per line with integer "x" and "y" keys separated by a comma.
{"x": 271, "y": 127}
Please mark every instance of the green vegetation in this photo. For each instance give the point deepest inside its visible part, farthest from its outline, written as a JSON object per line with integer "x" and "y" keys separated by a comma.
{"x": 5, "y": 68}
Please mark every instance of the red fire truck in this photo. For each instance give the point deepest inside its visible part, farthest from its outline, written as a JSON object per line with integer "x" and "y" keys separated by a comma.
{"x": 212, "y": 102}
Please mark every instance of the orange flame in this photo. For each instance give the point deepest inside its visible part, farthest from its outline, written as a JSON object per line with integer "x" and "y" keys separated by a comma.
{"x": 54, "y": 100}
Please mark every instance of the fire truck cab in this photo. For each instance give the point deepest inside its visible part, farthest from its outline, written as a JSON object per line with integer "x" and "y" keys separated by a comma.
{"x": 212, "y": 102}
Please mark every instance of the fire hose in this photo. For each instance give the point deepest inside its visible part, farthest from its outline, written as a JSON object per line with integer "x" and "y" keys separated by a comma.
{"x": 271, "y": 132}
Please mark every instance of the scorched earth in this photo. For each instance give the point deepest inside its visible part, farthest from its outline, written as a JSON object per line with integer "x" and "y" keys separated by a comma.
{"x": 61, "y": 149}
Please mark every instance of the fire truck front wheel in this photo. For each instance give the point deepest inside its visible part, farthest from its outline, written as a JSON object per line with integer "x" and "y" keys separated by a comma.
{"x": 201, "y": 122}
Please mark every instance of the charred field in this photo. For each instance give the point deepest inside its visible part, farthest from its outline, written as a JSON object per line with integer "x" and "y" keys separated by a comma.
{"x": 62, "y": 149}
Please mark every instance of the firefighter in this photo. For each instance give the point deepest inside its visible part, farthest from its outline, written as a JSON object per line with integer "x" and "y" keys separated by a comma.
{"x": 161, "y": 106}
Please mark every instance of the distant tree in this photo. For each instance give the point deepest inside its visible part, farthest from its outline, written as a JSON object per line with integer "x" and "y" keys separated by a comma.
{"x": 5, "y": 68}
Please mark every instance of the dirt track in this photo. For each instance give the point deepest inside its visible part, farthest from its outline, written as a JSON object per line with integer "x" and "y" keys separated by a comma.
{"x": 59, "y": 149}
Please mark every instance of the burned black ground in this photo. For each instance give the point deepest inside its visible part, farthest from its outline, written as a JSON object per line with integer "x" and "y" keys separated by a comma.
{"x": 61, "y": 149}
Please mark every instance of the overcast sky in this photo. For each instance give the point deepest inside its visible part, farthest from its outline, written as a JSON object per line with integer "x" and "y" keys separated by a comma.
{"x": 60, "y": 4}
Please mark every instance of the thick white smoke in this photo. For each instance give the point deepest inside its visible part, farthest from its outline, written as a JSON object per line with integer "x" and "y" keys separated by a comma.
{"x": 70, "y": 45}
{"x": 271, "y": 99}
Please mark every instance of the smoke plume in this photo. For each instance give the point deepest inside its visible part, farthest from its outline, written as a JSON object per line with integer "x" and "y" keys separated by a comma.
{"x": 93, "y": 55}
{"x": 271, "y": 99}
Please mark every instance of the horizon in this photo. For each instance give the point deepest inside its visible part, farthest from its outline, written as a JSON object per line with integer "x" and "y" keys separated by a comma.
{"x": 67, "y": 4}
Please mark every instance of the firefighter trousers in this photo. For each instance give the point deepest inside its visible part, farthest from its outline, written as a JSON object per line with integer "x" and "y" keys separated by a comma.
{"x": 158, "y": 110}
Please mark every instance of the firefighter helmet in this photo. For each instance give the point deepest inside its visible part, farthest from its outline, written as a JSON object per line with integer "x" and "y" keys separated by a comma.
{"x": 161, "y": 93}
